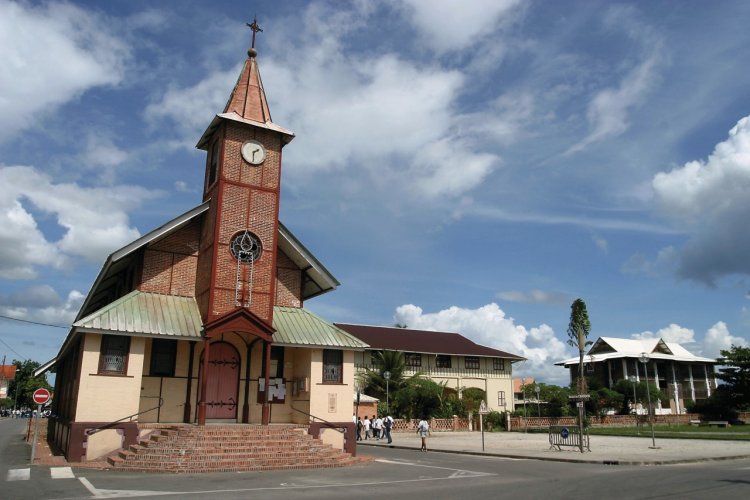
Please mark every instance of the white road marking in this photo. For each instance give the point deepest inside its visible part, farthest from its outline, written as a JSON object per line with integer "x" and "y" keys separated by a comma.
{"x": 62, "y": 473}
{"x": 456, "y": 473}
{"x": 19, "y": 474}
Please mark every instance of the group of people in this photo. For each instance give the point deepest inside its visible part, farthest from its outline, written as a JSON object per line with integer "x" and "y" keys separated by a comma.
{"x": 380, "y": 428}
{"x": 377, "y": 428}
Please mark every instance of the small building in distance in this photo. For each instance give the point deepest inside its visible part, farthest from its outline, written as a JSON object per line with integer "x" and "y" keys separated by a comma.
{"x": 7, "y": 373}
{"x": 444, "y": 357}
{"x": 683, "y": 376}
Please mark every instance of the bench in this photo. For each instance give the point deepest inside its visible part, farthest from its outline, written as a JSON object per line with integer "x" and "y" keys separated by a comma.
{"x": 563, "y": 435}
{"x": 718, "y": 423}
{"x": 695, "y": 422}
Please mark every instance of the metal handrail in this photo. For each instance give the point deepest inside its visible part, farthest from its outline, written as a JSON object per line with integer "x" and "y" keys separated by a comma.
{"x": 89, "y": 432}
{"x": 328, "y": 424}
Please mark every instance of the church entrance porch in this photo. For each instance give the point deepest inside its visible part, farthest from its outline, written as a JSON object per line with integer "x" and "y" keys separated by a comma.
{"x": 222, "y": 381}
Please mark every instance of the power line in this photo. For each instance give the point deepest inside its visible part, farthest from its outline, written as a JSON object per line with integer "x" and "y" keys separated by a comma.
{"x": 32, "y": 322}
{"x": 13, "y": 350}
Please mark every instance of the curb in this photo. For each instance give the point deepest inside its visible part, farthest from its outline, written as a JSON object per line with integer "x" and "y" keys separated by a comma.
{"x": 568, "y": 460}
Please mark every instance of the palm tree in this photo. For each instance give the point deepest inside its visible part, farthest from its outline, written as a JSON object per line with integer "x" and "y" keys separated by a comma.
{"x": 374, "y": 383}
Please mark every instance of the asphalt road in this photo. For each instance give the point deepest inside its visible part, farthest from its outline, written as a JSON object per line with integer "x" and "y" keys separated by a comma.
{"x": 393, "y": 474}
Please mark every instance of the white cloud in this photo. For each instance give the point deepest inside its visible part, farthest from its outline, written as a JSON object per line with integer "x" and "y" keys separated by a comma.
{"x": 50, "y": 54}
{"x": 190, "y": 109}
{"x": 488, "y": 325}
{"x": 608, "y": 111}
{"x": 709, "y": 200}
{"x": 534, "y": 297}
{"x": 42, "y": 303}
{"x": 394, "y": 119}
{"x": 601, "y": 243}
{"x": 453, "y": 25}
{"x": 666, "y": 261}
{"x": 94, "y": 220}
{"x": 671, "y": 333}
{"x": 719, "y": 338}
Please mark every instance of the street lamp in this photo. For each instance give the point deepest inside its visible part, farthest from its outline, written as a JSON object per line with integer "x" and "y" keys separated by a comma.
{"x": 538, "y": 389}
{"x": 387, "y": 377}
{"x": 645, "y": 358}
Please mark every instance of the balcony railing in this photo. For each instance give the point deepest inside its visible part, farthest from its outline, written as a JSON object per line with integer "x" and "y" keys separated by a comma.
{"x": 444, "y": 372}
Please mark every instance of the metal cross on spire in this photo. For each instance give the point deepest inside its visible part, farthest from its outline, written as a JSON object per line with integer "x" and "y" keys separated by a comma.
{"x": 255, "y": 28}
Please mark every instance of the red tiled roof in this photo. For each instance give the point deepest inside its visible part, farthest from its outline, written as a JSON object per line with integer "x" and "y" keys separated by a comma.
{"x": 7, "y": 372}
{"x": 404, "y": 339}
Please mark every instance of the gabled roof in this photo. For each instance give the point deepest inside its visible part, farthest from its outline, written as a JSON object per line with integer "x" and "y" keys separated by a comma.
{"x": 145, "y": 314}
{"x": 317, "y": 280}
{"x": 428, "y": 342}
{"x": 614, "y": 348}
{"x": 300, "y": 327}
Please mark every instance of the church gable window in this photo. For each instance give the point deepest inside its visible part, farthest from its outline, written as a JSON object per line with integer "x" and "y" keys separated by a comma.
{"x": 333, "y": 366}
{"x": 213, "y": 164}
{"x": 113, "y": 358}
{"x": 163, "y": 356}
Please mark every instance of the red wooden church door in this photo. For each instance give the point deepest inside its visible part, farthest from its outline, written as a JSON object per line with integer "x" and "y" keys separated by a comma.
{"x": 222, "y": 381}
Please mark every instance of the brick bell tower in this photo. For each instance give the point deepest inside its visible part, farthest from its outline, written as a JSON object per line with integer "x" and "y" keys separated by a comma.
{"x": 236, "y": 278}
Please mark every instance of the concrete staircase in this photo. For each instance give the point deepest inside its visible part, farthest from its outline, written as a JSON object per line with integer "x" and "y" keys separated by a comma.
{"x": 229, "y": 448}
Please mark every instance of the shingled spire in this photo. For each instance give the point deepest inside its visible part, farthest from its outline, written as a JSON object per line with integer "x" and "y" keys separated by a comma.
{"x": 248, "y": 98}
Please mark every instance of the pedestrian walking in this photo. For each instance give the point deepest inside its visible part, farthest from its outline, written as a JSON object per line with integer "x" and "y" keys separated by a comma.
{"x": 360, "y": 425}
{"x": 423, "y": 429}
{"x": 387, "y": 426}
{"x": 367, "y": 425}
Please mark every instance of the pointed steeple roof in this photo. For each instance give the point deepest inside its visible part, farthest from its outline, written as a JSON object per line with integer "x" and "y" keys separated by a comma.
{"x": 248, "y": 98}
{"x": 247, "y": 103}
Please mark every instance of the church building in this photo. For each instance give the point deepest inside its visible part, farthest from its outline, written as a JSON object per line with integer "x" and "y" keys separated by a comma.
{"x": 202, "y": 320}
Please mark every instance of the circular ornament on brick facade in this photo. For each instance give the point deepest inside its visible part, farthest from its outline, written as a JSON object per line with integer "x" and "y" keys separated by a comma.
{"x": 246, "y": 247}
{"x": 253, "y": 152}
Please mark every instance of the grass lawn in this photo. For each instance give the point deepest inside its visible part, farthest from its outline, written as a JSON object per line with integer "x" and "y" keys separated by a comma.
{"x": 734, "y": 433}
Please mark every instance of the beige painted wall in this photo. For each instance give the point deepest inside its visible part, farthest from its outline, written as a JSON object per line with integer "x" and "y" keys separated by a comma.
{"x": 102, "y": 443}
{"x": 105, "y": 398}
{"x": 332, "y": 402}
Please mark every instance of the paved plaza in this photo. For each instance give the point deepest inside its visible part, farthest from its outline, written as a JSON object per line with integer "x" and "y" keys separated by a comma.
{"x": 604, "y": 449}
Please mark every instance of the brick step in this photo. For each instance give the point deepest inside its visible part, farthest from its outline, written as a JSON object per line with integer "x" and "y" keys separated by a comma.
{"x": 236, "y": 468}
{"x": 235, "y": 448}
{"x": 220, "y": 454}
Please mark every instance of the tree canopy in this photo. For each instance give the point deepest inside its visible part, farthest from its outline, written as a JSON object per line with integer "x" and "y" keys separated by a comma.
{"x": 579, "y": 328}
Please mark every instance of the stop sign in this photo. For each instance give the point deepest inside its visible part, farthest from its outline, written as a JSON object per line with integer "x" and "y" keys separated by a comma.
{"x": 41, "y": 396}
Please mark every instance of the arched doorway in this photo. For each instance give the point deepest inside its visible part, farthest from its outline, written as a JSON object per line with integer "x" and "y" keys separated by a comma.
{"x": 222, "y": 381}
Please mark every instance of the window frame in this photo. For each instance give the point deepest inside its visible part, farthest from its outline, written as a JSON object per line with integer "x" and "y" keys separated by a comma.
{"x": 498, "y": 364}
{"x": 170, "y": 354}
{"x": 501, "y": 399}
{"x": 105, "y": 350}
{"x": 470, "y": 361}
{"x": 443, "y": 361}
{"x": 336, "y": 365}
{"x": 413, "y": 359}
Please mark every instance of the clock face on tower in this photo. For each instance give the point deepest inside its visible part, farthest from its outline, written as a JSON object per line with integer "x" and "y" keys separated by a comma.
{"x": 253, "y": 152}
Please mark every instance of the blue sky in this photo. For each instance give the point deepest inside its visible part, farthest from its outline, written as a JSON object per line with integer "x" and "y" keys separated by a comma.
{"x": 461, "y": 166}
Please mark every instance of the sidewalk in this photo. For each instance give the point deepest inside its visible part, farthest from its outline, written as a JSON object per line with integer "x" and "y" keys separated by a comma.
{"x": 604, "y": 449}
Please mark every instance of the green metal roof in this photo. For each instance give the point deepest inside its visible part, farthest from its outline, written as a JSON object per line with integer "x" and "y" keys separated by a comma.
{"x": 152, "y": 314}
{"x": 142, "y": 313}
{"x": 300, "y": 327}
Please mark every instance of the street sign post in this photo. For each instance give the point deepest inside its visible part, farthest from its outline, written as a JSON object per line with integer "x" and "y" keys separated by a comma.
{"x": 40, "y": 397}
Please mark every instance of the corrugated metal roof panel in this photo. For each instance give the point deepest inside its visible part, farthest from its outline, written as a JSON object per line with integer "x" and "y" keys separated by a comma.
{"x": 301, "y": 327}
{"x": 147, "y": 314}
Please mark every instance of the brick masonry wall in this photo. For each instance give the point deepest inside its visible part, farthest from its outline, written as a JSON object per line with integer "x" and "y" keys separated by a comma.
{"x": 288, "y": 282}
{"x": 170, "y": 264}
